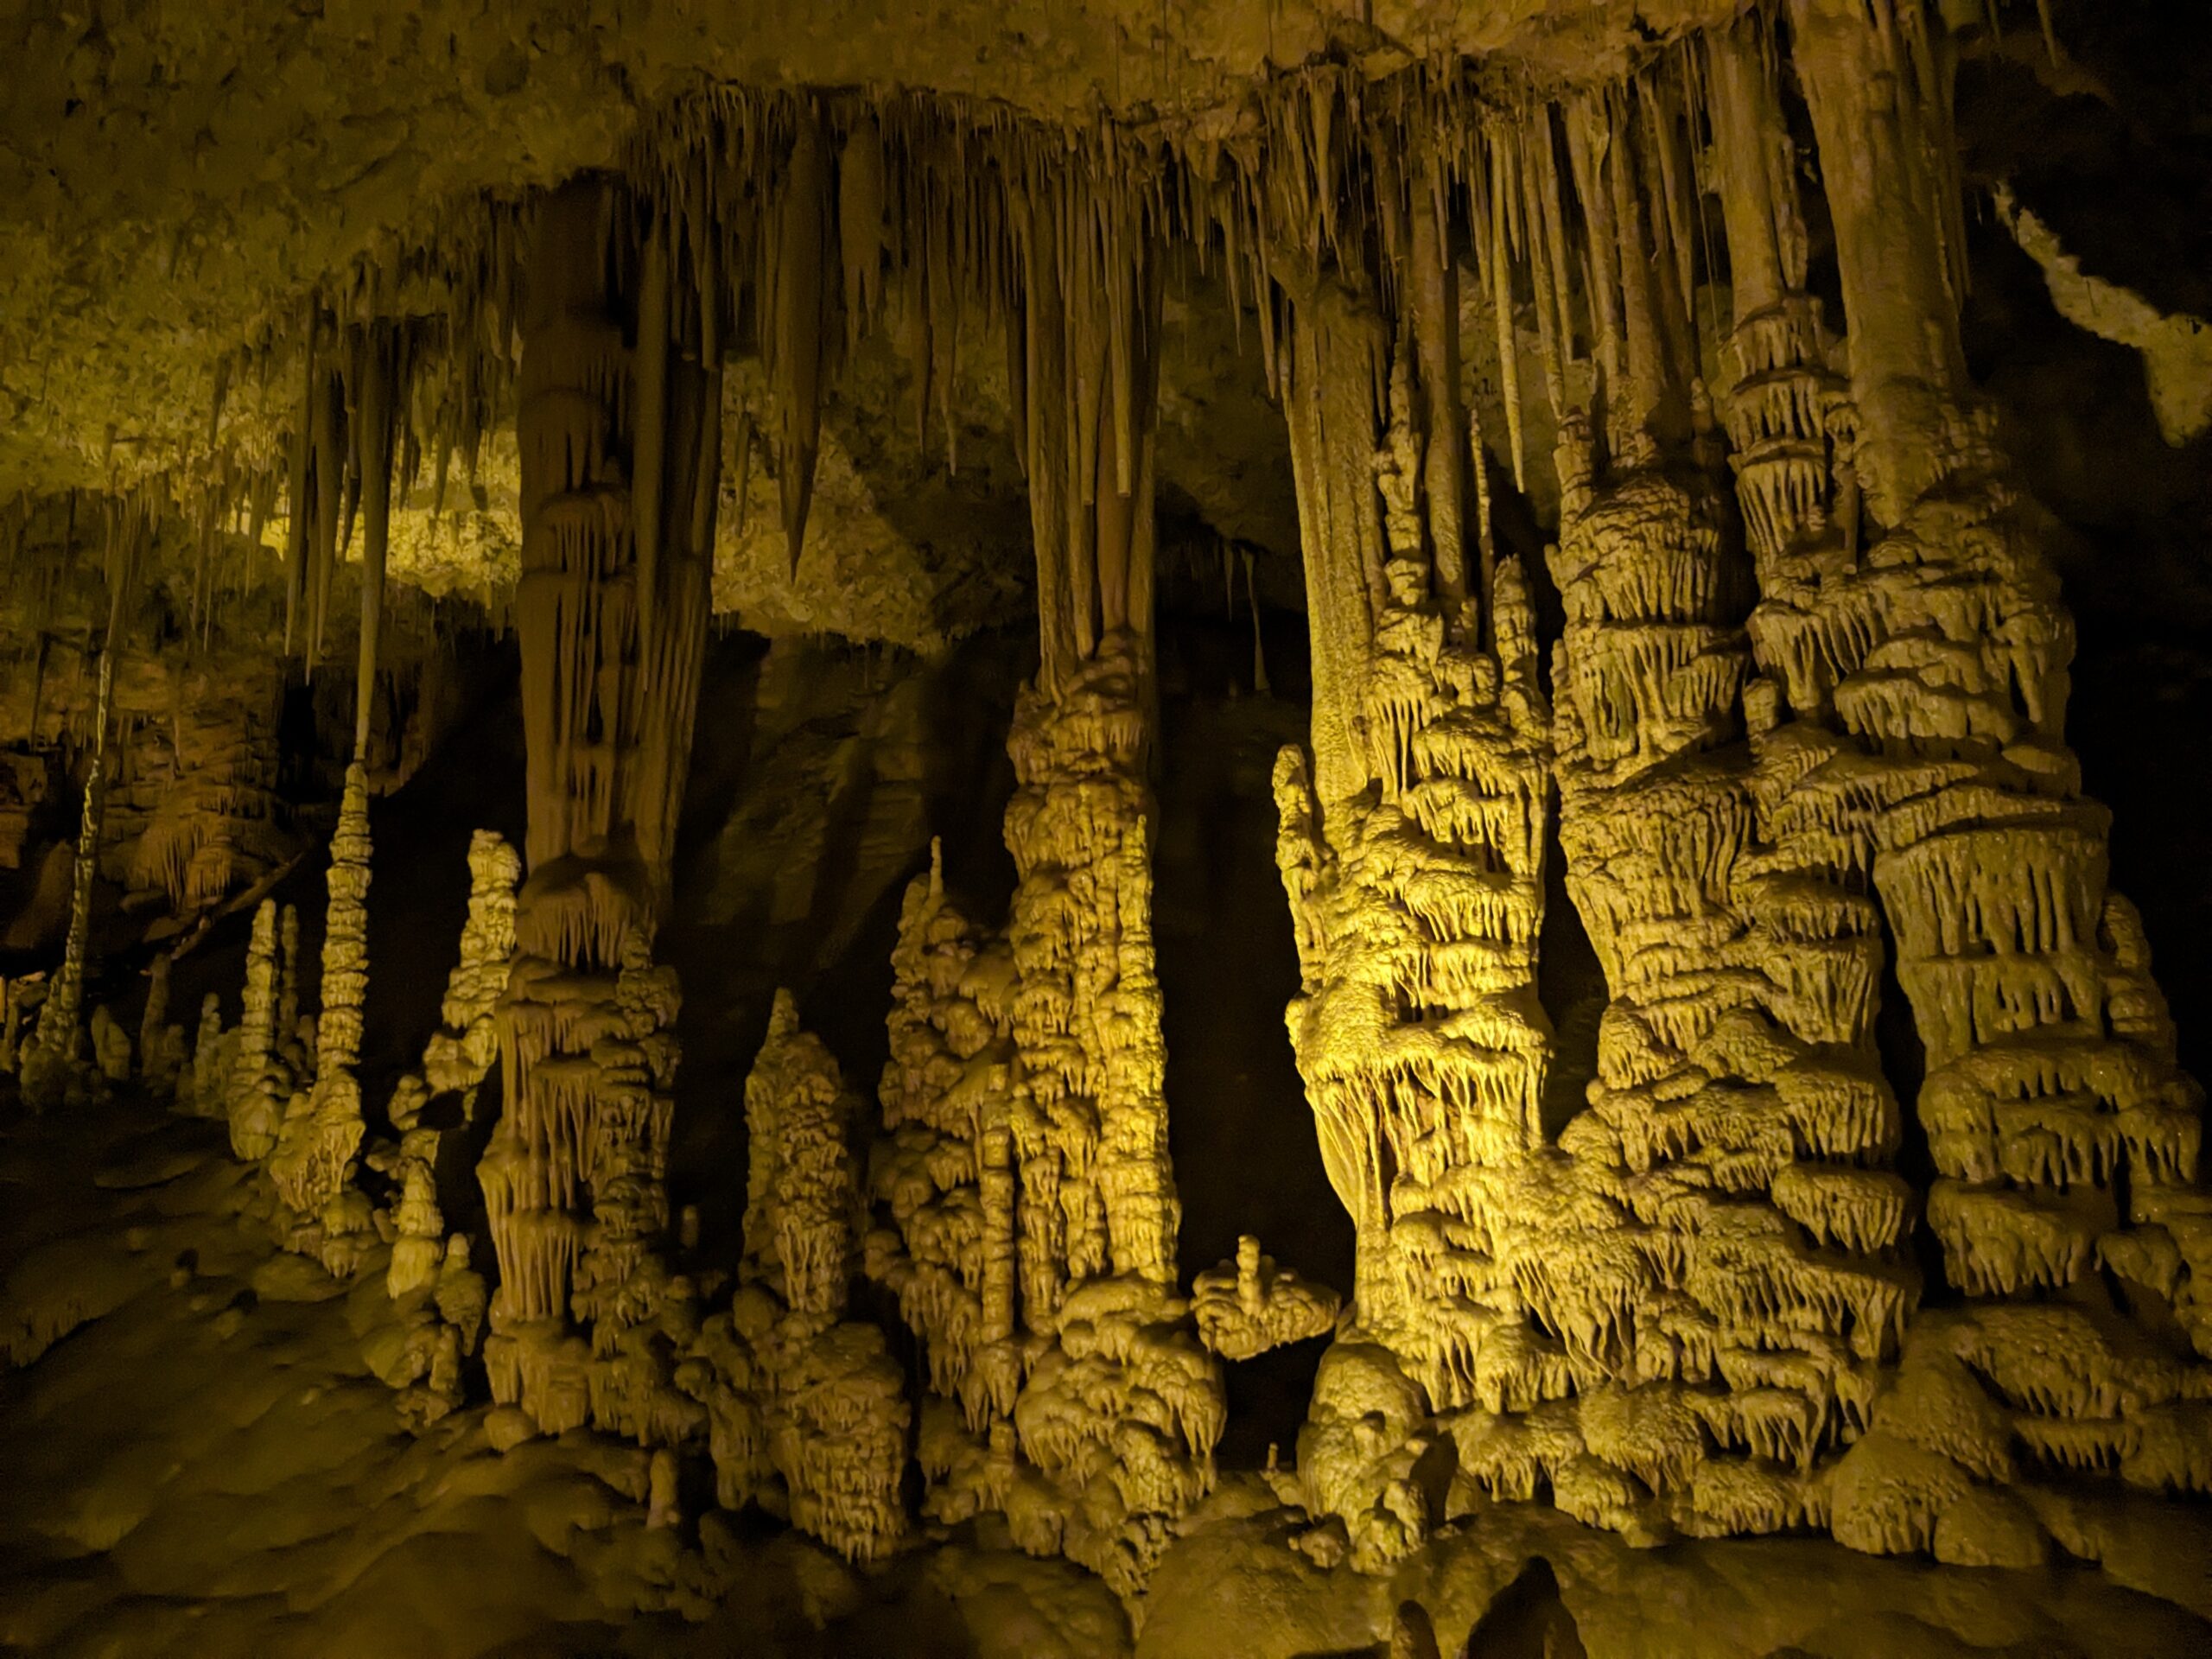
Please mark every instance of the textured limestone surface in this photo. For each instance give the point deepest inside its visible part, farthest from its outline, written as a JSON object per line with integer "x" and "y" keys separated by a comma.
{"x": 1406, "y": 682}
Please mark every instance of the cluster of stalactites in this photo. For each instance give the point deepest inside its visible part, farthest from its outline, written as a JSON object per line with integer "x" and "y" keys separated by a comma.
{"x": 1086, "y": 386}
{"x": 618, "y": 451}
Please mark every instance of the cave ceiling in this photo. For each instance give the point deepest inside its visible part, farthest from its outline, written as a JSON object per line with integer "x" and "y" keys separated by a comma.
{"x": 191, "y": 178}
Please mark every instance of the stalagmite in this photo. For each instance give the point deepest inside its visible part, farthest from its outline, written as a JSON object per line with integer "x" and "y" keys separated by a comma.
{"x": 941, "y": 1175}
{"x": 161, "y": 1052}
{"x": 314, "y": 1163}
{"x": 288, "y": 976}
{"x": 203, "y": 1087}
{"x": 790, "y": 1384}
{"x": 111, "y": 1045}
{"x": 1802, "y": 723}
{"x": 460, "y": 1053}
{"x": 51, "y": 1067}
{"x": 1247, "y": 1306}
{"x": 258, "y": 1085}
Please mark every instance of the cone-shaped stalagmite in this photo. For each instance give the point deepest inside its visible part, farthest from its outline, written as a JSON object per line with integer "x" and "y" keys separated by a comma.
{"x": 54, "y": 1067}
{"x": 314, "y": 1164}
{"x": 792, "y": 1387}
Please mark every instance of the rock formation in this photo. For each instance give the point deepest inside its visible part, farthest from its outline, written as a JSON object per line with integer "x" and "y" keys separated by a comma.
{"x": 1412, "y": 849}
{"x": 161, "y": 1051}
{"x": 942, "y": 1173}
{"x": 1247, "y": 1306}
{"x": 460, "y": 1053}
{"x": 259, "y": 1085}
{"x": 2064, "y": 1138}
{"x": 618, "y": 454}
{"x": 438, "y": 1297}
{"x": 52, "y": 1068}
{"x": 1794, "y": 673}
{"x": 795, "y": 1392}
{"x": 314, "y": 1161}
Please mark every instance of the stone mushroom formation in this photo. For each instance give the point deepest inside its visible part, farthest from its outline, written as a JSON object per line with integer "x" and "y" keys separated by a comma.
{"x": 1674, "y": 598}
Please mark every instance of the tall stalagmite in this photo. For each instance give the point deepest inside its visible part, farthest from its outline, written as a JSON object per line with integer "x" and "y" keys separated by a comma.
{"x": 942, "y": 1173}
{"x": 53, "y": 1067}
{"x": 259, "y": 1083}
{"x": 313, "y": 1162}
{"x": 794, "y": 1389}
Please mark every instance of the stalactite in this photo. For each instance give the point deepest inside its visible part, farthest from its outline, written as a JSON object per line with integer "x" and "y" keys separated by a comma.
{"x": 375, "y": 421}
{"x": 327, "y": 478}
{"x": 800, "y": 301}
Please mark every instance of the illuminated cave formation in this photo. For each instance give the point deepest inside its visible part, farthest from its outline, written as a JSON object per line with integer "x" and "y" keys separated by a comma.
{"x": 1552, "y": 546}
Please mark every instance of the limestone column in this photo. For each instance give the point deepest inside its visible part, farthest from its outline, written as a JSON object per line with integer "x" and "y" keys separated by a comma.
{"x": 619, "y": 395}
{"x": 1411, "y": 845}
{"x": 2065, "y": 1138}
{"x": 1096, "y": 1206}
{"x": 1730, "y": 1287}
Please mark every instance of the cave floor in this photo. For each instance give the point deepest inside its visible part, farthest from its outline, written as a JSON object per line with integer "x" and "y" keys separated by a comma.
{"x": 194, "y": 1460}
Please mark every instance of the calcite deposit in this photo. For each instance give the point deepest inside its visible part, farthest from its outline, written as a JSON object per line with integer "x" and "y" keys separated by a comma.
{"x": 795, "y": 1393}
{"x": 931, "y": 573}
{"x": 315, "y": 1158}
